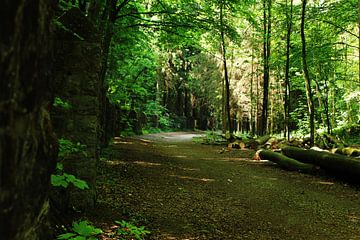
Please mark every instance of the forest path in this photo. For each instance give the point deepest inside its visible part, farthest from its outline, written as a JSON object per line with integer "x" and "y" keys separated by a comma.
{"x": 183, "y": 190}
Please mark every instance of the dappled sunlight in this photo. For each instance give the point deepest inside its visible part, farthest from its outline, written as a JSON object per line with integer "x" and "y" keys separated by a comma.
{"x": 180, "y": 156}
{"x": 118, "y": 140}
{"x": 325, "y": 183}
{"x": 190, "y": 169}
{"x": 171, "y": 146}
{"x": 115, "y": 162}
{"x": 170, "y": 237}
{"x": 193, "y": 178}
{"x": 264, "y": 178}
{"x": 142, "y": 163}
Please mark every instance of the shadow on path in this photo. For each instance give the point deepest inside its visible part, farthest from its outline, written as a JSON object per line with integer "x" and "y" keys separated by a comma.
{"x": 182, "y": 190}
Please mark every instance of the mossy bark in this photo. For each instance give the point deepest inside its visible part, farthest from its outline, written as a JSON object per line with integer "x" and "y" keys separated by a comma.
{"x": 345, "y": 166}
{"x": 285, "y": 162}
{"x": 77, "y": 78}
{"x": 27, "y": 143}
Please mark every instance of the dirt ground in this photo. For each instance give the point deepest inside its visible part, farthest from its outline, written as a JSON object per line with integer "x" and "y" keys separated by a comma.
{"x": 179, "y": 189}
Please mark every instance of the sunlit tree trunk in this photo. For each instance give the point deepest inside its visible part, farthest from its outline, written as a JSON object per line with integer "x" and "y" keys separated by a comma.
{"x": 287, "y": 68}
{"x": 307, "y": 79}
{"x": 251, "y": 93}
{"x": 226, "y": 78}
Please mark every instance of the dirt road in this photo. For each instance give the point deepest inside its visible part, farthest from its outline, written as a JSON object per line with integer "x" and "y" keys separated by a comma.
{"x": 182, "y": 190}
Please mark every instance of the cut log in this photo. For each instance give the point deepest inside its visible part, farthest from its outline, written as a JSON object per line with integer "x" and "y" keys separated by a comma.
{"x": 352, "y": 152}
{"x": 256, "y": 143}
{"x": 285, "y": 162}
{"x": 338, "y": 164}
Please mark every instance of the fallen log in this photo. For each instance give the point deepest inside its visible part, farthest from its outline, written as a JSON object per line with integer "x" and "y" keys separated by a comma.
{"x": 352, "y": 152}
{"x": 285, "y": 162}
{"x": 256, "y": 143}
{"x": 338, "y": 164}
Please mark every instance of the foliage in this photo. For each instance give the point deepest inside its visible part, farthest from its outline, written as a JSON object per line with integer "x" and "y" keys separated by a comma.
{"x": 211, "y": 137}
{"x": 349, "y": 133}
{"x": 82, "y": 230}
{"x": 129, "y": 231}
{"x": 60, "y": 103}
{"x": 61, "y": 178}
{"x": 165, "y": 61}
{"x": 64, "y": 179}
{"x": 67, "y": 147}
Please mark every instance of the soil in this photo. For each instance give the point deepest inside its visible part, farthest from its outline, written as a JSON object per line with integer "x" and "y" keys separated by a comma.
{"x": 178, "y": 189}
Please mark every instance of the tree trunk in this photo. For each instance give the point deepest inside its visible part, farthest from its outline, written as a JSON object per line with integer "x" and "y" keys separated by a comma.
{"x": 309, "y": 95}
{"x": 252, "y": 131}
{"x": 287, "y": 68}
{"x": 285, "y": 162}
{"x": 27, "y": 143}
{"x": 226, "y": 78}
{"x": 338, "y": 164}
{"x": 359, "y": 36}
{"x": 320, "y": 102}
{"x": 267, "y": 33}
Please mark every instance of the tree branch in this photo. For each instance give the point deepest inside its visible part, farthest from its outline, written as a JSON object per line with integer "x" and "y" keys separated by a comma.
{"x": 337, "y": 26}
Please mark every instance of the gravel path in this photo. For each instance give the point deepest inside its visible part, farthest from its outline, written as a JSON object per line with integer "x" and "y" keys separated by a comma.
{"x": 182, "y": 190}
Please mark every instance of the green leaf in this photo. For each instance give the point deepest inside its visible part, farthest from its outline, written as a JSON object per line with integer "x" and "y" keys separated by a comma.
{"x": 80, "y": 238}
{"x": 59, "y": 180}
{"x": 69, "y": 177}
{"x": 59, "y": 166}
{"x": 80, "y": 184}
{"x": 66, "y": 236}
{"x": 83, "y": 228}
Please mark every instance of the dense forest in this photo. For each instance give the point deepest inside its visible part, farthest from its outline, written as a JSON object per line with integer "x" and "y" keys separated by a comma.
{"x": 76, "y": 73}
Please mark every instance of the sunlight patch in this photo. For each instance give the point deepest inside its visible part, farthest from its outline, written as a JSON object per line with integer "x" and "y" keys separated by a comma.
{"x": 147, "y": 163}
{"x": 115, "y": 162}
{"x": 326, "y": 183}
{"x": 190, "y": 169}
{"x": 192, "y": 178}
{"x": 118, "y": 140}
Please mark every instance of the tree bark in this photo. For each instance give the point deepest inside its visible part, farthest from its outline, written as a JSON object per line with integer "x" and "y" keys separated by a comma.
{"x": 267, "y": 33}
{"x": 252, "y": 130}
{"x": 226, "y": 78}
{"x": 338, "y": 164}
{"x": 309, "y": 95}
{"x": 27, "y": 143}
{"x": 285, "y": 162}
{"x": 287, "y": 68}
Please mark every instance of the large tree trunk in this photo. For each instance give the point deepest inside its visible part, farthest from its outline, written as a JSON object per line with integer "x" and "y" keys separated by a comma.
{"x": 285, "y": 162}
{"x": 267, "y": 33}
{"x": 309, "y": 95}
{"x": 27, "y": 143}
{"x": 338, "y": 164}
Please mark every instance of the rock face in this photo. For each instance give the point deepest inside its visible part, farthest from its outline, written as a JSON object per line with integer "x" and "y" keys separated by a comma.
{"x": 77, "y": 80}
{"x": 27, "y": 144}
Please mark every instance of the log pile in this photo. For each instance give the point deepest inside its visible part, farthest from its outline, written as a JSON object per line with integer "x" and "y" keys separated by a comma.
{"x": 294, "y": 158}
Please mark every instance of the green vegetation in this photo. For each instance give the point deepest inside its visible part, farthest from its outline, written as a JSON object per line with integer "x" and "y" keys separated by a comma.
{"x": 82, "y": 230}
{"x": 64, "y": 179}
{"x": 127, "y": 230}
{"x": 61, "y": 178}
{"x": 86, "y": 71}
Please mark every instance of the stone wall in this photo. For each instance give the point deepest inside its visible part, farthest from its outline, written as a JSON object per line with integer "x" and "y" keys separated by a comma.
{"x": 77, "y": 80}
